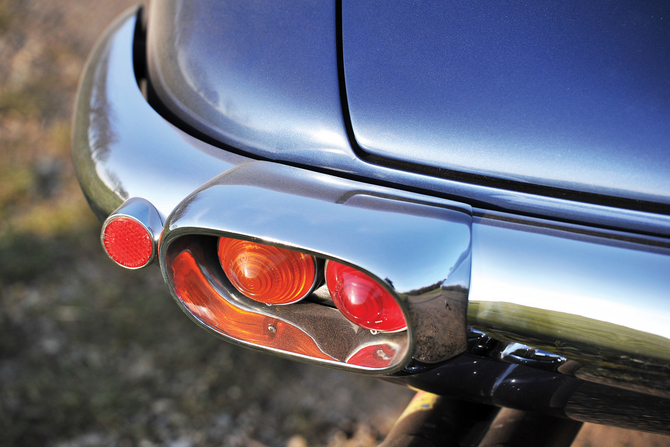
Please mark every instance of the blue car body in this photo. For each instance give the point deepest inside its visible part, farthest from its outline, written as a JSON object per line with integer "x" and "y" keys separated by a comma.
{"x": 508, "y": 163}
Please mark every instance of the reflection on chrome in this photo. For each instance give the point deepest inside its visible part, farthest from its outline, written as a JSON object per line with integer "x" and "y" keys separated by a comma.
{"x": 595, "y": 299}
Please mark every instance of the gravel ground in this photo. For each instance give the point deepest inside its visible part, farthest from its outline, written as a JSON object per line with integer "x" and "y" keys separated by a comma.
{"x": 91, "y": 355}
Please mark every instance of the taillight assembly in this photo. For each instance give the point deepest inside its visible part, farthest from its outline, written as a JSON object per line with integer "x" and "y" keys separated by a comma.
{"x": 274, "y": 275}
{"x": 310, "y": 266}
{"x": 256, "y": 293}
{"x": 322, "y": 269}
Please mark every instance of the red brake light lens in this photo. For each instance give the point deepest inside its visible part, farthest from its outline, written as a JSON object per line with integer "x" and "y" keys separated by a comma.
{"x": 362, "y": 299}
{"x": 373, "y": 356}
{"x": 265, "y": 273}
{"x": 128, "y": 242}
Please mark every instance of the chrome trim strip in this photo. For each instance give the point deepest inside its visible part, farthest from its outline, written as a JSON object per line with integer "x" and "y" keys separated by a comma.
{"x": 593, "y": 299}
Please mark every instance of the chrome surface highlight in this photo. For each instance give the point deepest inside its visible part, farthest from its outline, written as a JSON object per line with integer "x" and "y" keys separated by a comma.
{"x": 122, "y": 148}
{"x": 593, "y": 298}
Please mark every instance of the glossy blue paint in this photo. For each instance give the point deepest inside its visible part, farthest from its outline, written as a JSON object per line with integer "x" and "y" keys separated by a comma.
{"x": 572, "y": 94}
{"x": 221, "y": 69}
{"x": 261, "y": 77}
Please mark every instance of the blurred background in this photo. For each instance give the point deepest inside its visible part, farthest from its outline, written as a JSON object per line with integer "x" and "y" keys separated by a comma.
{"x": 93, "y": 355}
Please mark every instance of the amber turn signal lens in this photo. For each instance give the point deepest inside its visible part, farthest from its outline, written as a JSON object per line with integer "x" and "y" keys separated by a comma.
{"x": 265, "y": 273}
{"x": 202, "y": 301}
{"x": 362, "y": 299}
{"x": 127, "y": 242}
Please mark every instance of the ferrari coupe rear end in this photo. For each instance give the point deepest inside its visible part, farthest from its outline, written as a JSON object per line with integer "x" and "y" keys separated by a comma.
{"x": 469, "y": 199}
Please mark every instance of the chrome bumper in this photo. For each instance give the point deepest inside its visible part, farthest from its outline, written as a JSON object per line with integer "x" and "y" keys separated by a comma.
{"x": 581, "y": 314}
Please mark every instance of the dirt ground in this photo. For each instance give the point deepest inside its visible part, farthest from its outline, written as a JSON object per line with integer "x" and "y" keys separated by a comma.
{"x": 91, "y": 355}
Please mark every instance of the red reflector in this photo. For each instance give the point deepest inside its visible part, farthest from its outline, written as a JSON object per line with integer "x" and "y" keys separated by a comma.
{"x": 362, "y": 299}
{"x": 127, "y": 242}
{"x": 374, "y": 356}
{"x": 208, "y": 306}
{"x": 265, "y": 273}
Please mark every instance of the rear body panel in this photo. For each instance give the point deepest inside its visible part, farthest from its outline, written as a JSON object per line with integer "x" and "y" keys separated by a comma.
{"x": 573, "y": 95}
